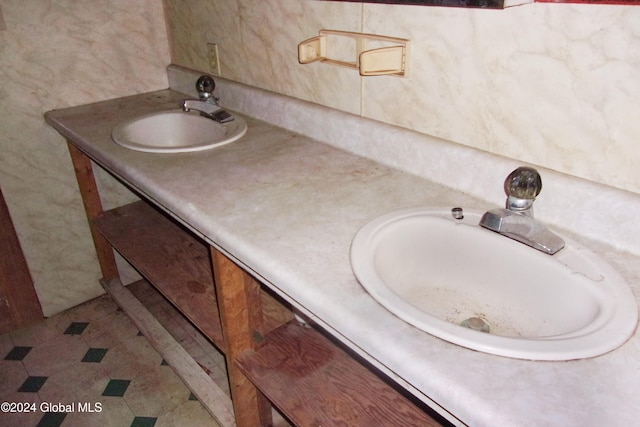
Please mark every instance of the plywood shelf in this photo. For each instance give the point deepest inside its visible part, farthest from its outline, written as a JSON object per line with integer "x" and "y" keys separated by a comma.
{"x": 314, "y": 382}
{"x": 170, "y": 258}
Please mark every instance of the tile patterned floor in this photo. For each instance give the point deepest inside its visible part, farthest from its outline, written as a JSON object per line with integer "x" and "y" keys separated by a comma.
{"x": 90, "y": 366}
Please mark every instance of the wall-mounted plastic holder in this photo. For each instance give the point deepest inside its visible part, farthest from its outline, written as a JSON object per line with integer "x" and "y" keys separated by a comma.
{"x": 389, "y": 56}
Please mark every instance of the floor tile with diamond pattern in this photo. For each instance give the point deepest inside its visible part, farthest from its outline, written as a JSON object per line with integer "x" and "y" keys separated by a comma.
{"x": 90, "y": 366}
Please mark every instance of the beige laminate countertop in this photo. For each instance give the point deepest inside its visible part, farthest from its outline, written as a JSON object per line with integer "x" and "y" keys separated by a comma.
{"x": 286, "y": 207}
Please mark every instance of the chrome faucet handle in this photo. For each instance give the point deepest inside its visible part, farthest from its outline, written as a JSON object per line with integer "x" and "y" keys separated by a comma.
{"x": 522, "y": 186}
{"x": 516, "y": 221}
{"x": 205, "y": 86}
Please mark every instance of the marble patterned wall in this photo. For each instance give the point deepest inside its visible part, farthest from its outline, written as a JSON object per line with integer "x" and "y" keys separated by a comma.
{"x": 551, "y": 84}
{"x": 55, "y": 54}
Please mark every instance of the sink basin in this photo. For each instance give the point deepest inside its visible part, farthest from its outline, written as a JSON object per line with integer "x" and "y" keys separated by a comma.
{"x": 176, "y": 132}
{"x": 456, "y": 281}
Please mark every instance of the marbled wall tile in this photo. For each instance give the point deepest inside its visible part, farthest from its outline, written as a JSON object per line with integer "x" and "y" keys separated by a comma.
{"x": 55, "y": 54}
{"x": 548, "y": 84}
{"x": 258, "y": 42}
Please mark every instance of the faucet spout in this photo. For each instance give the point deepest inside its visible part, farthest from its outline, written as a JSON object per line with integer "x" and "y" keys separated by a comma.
{"x": 522, "y": 228}
{"x": 207, "y": 104}
{"x": 207, "y": 109}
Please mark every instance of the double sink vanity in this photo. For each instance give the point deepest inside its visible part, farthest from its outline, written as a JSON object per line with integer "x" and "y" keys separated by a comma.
{"x": 241, "y": 236}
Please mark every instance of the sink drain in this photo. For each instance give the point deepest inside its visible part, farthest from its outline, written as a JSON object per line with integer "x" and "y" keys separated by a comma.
{"x": 477, "y": 324}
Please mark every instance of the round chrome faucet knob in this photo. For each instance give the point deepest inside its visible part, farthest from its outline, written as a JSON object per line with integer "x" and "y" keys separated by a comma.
{"x": 523, "y": 183}
{"x": 522, "y": 186}
{"x": 205, "y": 86}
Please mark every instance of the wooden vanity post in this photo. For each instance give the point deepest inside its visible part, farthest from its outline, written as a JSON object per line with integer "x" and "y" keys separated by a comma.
{"x": 93, "y": 209}
{"x": 240, "y": 305}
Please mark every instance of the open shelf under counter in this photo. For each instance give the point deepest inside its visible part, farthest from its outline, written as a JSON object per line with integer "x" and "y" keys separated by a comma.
{"x": 172, "y": 259}
{"x": 312, "y": 381}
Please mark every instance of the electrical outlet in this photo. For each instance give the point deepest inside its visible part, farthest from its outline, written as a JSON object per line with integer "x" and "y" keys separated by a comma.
{"x": 214, "y": 58}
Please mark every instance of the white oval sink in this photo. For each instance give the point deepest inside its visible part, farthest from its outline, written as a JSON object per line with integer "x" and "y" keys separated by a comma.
{"x": 436, "y": 272}
{"x": 176, "y": 132}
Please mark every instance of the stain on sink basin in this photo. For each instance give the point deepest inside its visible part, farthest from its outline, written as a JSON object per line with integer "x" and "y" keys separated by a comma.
{"x": 437, "y": 272}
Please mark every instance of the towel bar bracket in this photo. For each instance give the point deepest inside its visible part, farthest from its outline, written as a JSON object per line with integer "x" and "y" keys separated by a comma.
{"x": 390, "y": 57}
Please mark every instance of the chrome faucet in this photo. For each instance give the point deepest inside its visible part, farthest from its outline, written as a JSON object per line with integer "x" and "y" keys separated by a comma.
{"x": 207, "y": 104}
{"x": 522, "y": 186}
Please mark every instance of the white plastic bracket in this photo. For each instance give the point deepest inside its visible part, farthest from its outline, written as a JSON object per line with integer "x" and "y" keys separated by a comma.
{"x": 390, "y": 58}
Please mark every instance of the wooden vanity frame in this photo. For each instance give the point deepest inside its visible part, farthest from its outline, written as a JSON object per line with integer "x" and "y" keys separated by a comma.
{"x": 271, "y": 358}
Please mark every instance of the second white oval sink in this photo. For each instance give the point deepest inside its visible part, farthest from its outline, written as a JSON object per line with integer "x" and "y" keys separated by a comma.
{"x": 438, "y": 273}
{"x": 176, "y": 132}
